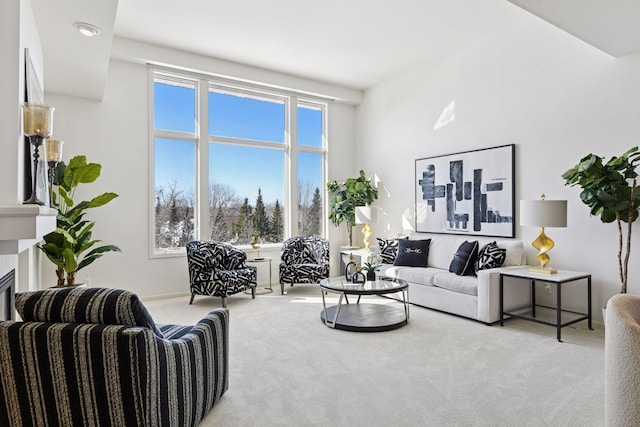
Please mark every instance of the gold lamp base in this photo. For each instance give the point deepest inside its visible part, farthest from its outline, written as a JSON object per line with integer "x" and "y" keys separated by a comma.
{"x": 543, "y": 244}
{"x": 543, "y": 270}
{"x": 366, "y": 232}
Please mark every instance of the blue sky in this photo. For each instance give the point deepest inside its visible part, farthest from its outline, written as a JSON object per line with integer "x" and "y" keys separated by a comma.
{"x": 242, "y": 168}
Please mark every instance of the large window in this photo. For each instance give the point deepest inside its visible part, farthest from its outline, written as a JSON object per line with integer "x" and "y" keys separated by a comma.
{"x": 234, "y": 163}
{"x": 174, "y": 160}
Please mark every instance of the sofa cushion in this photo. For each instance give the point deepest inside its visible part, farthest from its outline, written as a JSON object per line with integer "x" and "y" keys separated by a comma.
{"x": 515, "y": 252}
{"x": 416, "y": 275}
{"x": 412, "y": 253}
{"x": 453, "y": 282}
{"x": 490, "y": 256}
{"x": 388, "y": 250}
{"x": 464, "y": 258}
{"x": 442, "y": 249}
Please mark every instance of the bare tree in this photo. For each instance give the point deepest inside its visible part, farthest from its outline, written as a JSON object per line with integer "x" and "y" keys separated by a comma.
{"x": 223, "y": 211}
{"x": 305, "y": 194}
{"x": 174, "y": 222}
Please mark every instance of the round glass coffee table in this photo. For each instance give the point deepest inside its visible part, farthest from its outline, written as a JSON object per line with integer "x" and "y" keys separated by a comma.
{"x": 365, "y": 317}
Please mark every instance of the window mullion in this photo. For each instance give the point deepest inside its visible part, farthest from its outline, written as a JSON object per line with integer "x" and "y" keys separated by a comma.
{"x": 168, "y": 134}
{"x": 203, "y": 226}
{"x": 292, "y": 173}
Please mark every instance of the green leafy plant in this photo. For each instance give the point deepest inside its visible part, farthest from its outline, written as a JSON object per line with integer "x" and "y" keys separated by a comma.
{"x": 70, "y": 246}
{"x": 609, "y": 189}
{"x": 370, "y": 267}
{"x": 346, "y": 196}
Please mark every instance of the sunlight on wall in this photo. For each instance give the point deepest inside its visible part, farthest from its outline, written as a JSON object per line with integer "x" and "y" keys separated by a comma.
{"x": 447, "y": 116}
{"x": 377, "y": 183}
{"x": 407, "y": 223}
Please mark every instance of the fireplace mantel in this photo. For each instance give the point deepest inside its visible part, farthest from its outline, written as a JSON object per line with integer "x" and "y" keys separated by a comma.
{"x": 22, "y": 226}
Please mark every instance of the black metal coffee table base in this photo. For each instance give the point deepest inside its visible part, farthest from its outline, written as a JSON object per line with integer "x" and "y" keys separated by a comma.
{"x": 366, "y": 317}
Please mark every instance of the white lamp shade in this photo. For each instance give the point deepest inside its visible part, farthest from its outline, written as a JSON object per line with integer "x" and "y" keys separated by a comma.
{"x": 366, "y": 214}
{"x": 543, "y": 213}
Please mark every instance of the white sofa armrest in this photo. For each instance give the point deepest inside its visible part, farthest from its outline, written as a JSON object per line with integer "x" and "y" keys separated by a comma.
{"x": 489, "y": 294}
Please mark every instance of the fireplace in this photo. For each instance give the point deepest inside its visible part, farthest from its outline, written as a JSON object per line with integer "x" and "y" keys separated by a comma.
{"x": 7, "y": 286}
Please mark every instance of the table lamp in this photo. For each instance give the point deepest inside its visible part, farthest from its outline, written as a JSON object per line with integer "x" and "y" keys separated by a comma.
{"x": 366, "y": 215}
{"x": 543, "y": 213}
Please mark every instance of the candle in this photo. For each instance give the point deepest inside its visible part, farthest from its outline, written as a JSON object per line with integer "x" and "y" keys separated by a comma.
{"x": 37, "y": 119}
{"x": 54, "y": 150}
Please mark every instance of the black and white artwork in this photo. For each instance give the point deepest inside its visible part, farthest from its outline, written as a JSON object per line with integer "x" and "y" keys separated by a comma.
{"x": 472, "y": 192}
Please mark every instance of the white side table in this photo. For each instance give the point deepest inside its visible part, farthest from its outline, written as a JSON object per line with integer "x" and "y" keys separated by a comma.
{"x": 262, "y": 290}
{"x": 558, "y": 279}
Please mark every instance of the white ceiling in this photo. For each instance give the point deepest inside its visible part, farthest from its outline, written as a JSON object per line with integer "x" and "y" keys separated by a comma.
{"x": 612, "y": 26}
{"x": 351, "y": 43}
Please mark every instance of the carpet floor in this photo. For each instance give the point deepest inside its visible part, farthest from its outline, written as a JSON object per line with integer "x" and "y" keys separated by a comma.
{"x": 288, "y": 369}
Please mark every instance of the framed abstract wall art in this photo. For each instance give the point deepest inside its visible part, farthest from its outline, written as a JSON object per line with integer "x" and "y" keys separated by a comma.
{"x": 471, "y": 192}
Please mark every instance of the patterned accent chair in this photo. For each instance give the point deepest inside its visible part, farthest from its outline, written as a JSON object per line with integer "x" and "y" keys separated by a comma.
{"x": 304, "y": 259}
{"x": 219, "y": 270}
{"x": 95, "y": 357}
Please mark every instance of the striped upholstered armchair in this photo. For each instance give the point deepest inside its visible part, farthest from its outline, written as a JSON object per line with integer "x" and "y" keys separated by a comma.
{"x": 304, "y": 259}
{"x": 219, "y": 270}
{"x": 94, "y": 357}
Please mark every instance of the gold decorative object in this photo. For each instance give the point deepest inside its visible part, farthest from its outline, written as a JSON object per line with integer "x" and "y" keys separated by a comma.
{"x": 543, "y": 244}
{"x": 366, "y": 215}
{"x": 543, "y": 213}
{"x": 255, "y": 241}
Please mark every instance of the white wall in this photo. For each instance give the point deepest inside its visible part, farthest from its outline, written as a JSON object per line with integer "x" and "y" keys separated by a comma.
{"x": 114, "y": 132}
{"x": 552, "y": 95}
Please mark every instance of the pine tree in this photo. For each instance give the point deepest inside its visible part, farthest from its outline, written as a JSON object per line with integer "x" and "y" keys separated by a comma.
{"x": 244, "y": 226}
{"x": 260, "y": 219}
{"x": 314, "y": 215}
{"x": 276, "y": 229}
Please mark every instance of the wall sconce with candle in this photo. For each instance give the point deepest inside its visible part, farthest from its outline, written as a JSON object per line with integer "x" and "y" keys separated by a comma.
{"x": 37, "y": 122}
{"x": 54, "y": 156}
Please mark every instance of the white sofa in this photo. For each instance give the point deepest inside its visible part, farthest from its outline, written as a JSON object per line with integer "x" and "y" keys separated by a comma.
{"x": 475, "y": 297}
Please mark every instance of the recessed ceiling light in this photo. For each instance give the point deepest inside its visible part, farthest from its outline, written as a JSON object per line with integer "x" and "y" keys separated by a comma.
{"x": 87, "y": 29}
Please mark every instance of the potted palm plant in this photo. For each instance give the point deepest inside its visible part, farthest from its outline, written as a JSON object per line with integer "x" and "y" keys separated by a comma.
{"x": 346, "y": 196}
{"x": 609, "y": 189}
{"x": 71, "y": 246}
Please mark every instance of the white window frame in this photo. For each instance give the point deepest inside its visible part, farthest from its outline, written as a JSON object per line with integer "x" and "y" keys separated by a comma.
{"x": 202, "y": 139}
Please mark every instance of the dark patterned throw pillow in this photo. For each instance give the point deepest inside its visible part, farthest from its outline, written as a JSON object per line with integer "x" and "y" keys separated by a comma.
{"x": 388, "y": 250}
{"x": 412, "y": 253}
{"x": 490, "y": 256}
{"x": 464, "y": 259}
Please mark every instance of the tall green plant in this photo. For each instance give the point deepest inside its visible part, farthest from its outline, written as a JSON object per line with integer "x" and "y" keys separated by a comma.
{"x": 346, "y": 196}
{"x": 70, "y": 246}
{"x": 610, "y": 190}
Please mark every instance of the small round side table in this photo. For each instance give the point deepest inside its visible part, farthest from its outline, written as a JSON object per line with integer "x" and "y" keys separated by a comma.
{"x": 262, "y": 290}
